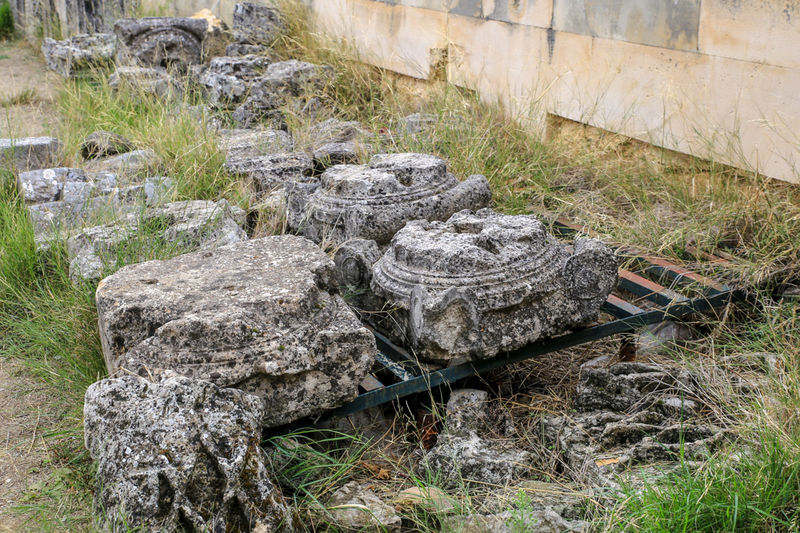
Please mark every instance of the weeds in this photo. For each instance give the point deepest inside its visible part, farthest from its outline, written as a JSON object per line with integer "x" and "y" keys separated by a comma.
{"x": 6, "y": 21}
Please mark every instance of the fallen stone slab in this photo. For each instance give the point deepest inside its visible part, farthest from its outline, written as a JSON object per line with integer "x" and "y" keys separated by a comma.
{"x": 182, "y": 226}
{"x": 538, "y": 521}
{"x": 166, "y": 42}
{"x": 28, "y": 153}
{"x": 374, "y": 201}
{"x": 261, "y": 315}
{"x": 239, "y": 144}
{"x": 272, "y": 172}
{"x": 216, "y": 38}
{"x": 125, "y": 164}
{"x": 180, "y": 453}
{"x": 149, "y": 81}
{"x": 103, "y": 143}
{"x": 484, "y": 283}
{"x": 239, "y": 49}
{"x": 226, "y": 80}
{"x": 355, "y": 507}
{"x": 80, "y": 54}
{"x": 47, "y": 185}
{"x": 256, "y": 24}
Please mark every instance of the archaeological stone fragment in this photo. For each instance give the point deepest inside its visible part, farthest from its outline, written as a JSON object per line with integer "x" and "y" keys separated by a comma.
{"x": 632, "y": 417}
{"x": 103, "y": 143}
{"x": 241, "y": 145}
{"x": 186, "y": 226}
{"x": 255, "y": 24}
{"x": 239, "y": 49}
{"x": 47, "y": 185}
{"x": 261, "y": 315}
{"x": 375, "y": 201}
{"x": 165, "y": 42}
{"x": 180, "y": 454}
{"x": 29, "y": 153}
{"x": 126, "y": 163}
{"x": 226, "y": 80}
{"x": 271, "y": 172}
{"x": 483, "y": 283}
{"x": 151, "y": 81}
{"x": 468, "y": 448}
{"x": 355, "y": 507}
{"x": 80, "y": 54}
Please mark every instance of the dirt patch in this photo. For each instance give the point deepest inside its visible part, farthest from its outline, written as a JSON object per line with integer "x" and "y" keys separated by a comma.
{"x": 27, "y": 93}
{"x": 23, "y": 450}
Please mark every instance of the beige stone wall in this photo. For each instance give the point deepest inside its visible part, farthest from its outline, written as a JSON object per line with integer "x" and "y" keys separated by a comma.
{"x": 719, "y": 79}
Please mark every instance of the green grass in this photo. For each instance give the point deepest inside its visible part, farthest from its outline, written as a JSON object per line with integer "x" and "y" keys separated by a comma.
{"x": 6, "y": 20}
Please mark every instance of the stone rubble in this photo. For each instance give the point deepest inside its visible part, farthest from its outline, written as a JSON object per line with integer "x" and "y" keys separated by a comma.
{"x": 187, "y": 225}
{"x": 631, "y": 417}
{"x": 227, "y": 80}
{"x": 241, "y": 145}
{"x": 103, "y": 143}
{"x": 261, "y": 315}
{"x": 483, "y": 283}
{"x": 465, "y": 451}
{"x": 375, "y": 201}
{"x": 354, "y": 507}
{"x": 271, "y": 172}
{"x": 154, "y": 81}
{"x": 178, "y": 453}
{"x": 255, "y": 24}
{"x": 29, "y": 153}
{"x": 80, "y": 54}
{"x": 160, "y": 42}
{"x": 126, "y": 163}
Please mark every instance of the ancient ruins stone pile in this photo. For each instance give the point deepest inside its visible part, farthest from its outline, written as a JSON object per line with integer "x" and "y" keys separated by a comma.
{"x": 208, "y": 348}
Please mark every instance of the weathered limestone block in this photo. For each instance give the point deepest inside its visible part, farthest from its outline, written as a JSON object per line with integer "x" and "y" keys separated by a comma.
{"x": 187, "y": 225}
{"x": 632, "y": 416}
{"x": 103, "y": 143}
{"x": 356, "y": 507}
{"x": 255, "y": 23}
{"x": 482, "y": 283}
{"x": 282, "y": 81}
{"x": 269, "y": 173}
{"x": 335, "y": 153}
{"x": 125, "y": 164}
{"x": 376, "y": 200}
{"x": 166, "y": 42}
{"x": 239, "y": 49}
{"x": 29, "y": 153}
{"x": 535, "y": 521}
{"x": 226, "y": 80}
{"x": 154, "y": 81}
{"x": 465, "y": 450}
{"x": 79, "y": 54}
{"x": 47, "y": 185}
{"x": 216, "y": 38}
{"x": 180, "y": 454}
{"x": 260, "y": 315}
{"x": 239, "y": 145}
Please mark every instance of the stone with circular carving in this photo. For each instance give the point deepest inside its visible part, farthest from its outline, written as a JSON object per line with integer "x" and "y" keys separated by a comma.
{"x": 168, "y": 42}
{"x": 483, "y": 283}
{"x": 374, "y": 201}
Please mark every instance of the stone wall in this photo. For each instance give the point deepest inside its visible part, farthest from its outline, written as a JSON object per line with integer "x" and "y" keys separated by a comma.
{"x": 713, "y": 78}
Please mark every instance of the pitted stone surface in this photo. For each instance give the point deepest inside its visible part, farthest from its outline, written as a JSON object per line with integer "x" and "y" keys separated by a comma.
{"x": 465, "y": 449}
{"x": 282, "y": 81}
{"x": 239, "y": 145}
{"x": 79, "y": 54}
{"x": 180, "y": 454}
{"x": 632, "y": 415}
{"x": 356, "y": 507}
{"x": 239, "y": 49}
{"x": 260, "y": 315}
{"x": 154, "y": 81}
{"x": 29, "y": 153}
{"x": 103, "y": 143}
{"x": 274, "y": 171}
{"x": 482, "y": 283}
{"x": 47, "y": 185}
{"x": 226, "y": 80}
{"x": 187, "y": 225}
{"x": 167, "y": 42}
{"x": 127, "y": 163}
{"x": 255, "y": 24}
{"x": 376, "y": 200}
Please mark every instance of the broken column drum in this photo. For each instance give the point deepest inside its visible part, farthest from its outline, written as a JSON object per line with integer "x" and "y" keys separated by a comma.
{"x": 374, "y": 201}
{"x": 161, "y": 41}
{"x": 483, "y": 283}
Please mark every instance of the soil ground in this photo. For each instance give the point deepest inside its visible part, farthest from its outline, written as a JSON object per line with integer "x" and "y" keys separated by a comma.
{"x": 23, "y": 401}
{"x": 27, "y": 93}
